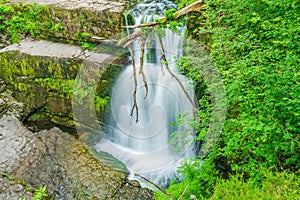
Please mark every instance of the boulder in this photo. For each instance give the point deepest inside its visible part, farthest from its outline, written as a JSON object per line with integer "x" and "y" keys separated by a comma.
{"x": 68, "y": 168}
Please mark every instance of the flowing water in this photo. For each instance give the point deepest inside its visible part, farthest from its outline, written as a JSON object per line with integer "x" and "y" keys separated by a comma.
{"x": 144, "y": 146}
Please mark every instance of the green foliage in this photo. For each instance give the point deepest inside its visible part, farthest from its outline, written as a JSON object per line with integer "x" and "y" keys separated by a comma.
{"x": 101, "y": 103}
{"x": 173, "y": 24}
{"x": 130, "y": 19}
{"x": 20, "y": 20}
{"x": 40, "y": 193}
{"x": 199, "y": 179}
{"x": 169, "y": 14}
{"x": 88, "y": 45}
{"x": 111, "y": 22}
{"x": 83, "y": 36}
{"x": 255, "y": 45}
{"x": 183, "y": 3}
{"x": 279, "y": 185}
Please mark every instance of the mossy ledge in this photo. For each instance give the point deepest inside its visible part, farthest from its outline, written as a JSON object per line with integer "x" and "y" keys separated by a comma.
{"x": 64, "y": 21}
{"x": 42, "y": 75}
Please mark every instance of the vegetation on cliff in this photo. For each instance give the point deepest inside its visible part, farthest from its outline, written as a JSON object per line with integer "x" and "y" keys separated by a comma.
{"x": 255, "y": 45}
{"x": 51, "y": 22}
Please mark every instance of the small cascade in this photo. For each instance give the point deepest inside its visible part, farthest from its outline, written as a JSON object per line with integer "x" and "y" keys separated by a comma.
{"x": 144, "y": 146}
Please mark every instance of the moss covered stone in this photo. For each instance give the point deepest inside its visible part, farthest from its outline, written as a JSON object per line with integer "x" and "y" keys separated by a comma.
{"x": 44, "y": 79}
{"x": 62, "y": 20}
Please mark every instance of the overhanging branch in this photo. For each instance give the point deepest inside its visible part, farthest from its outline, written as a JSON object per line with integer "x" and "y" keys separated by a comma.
{"x": 194, "y": 7}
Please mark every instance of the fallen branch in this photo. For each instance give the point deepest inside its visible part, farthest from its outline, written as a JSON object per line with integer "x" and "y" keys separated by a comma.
{"x": 164, "y": 59}
{"x": 194, "y": 7}
{"x": 166, "y": 193}
{"x": 135, "y": 106}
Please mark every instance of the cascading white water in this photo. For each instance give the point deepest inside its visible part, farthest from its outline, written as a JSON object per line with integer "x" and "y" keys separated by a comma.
{"x": 144, "y": 146}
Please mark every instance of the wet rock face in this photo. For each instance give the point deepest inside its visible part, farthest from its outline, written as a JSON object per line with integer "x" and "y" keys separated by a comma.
{"x": 61, "y": 162}
{"x": 66, "y": 167}
{"x": 15, "y": 143}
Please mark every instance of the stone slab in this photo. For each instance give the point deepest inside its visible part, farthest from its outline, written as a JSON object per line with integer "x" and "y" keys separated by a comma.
{"x": 56, "y": 50}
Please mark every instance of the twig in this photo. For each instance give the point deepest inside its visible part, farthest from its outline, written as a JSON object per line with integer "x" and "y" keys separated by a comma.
{"x": 183, "y": 192}
{"x": 135, "y": 106}
{"x": 141, "y": 71}
{"x": 155, "y": 185}
{"x": 142, "y": 25}
{"x": 164, "y": 59}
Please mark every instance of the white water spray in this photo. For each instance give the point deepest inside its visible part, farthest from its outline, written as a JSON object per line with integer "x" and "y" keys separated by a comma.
{"x": 144, "y": 146}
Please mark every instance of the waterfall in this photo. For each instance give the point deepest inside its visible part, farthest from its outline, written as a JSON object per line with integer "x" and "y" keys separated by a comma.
{"x": 144, "y": 146}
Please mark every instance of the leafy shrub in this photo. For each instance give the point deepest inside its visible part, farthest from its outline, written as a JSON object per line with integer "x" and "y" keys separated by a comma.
{"x": 278, "y": 185}
{"x": 255, "y": 45}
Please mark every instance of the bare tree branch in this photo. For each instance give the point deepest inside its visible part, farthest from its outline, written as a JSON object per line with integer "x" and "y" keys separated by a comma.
{"x": 130, "y": 37}
{"x": 142, "y": 25}
{"x": 194, "y": 7}
{"x": 135, "y": 106}
{"x": 166, "y": 193}
{"x": 164, "y": 59}
{"x": 141, "y": 71}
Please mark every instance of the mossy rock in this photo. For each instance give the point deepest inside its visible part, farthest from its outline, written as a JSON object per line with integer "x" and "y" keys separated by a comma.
{"x": 45, "y": 84}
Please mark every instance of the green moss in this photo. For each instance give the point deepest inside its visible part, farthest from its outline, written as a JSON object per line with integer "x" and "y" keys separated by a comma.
{"x": 52, "y": 23}
{"x": 49, "y": 83}
{"x": 37, "y": 116}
